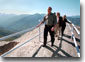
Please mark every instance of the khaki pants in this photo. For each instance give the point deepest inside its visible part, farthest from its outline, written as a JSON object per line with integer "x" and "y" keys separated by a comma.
{"x": 58, "y": 30}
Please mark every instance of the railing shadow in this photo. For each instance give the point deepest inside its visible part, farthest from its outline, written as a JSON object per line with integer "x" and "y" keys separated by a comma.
{"x": 37, "y": 51}
{"x": 47, "y": 48}
{"x": 70, "y": 43}
{"x": 55, "y": 53}
{"x": 78, "y": 40}
{"x": 59, "y": 49}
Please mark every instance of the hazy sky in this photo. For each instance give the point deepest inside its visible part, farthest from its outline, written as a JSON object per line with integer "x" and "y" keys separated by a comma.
{"x": 68, "y": 7}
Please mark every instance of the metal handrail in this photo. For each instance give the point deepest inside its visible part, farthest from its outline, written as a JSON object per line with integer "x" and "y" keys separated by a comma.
{"x": 77, "y": 49}
{"x": 18, "y": 33}
{"x": 75, "y": 28}
{"x": 20, "y": 45}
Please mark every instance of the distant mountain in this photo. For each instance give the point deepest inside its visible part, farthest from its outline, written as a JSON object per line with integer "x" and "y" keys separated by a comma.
{"x": 75, "y": 16}
{"x": 4, "y": 32}
{"x": 25, "y": 22}
{"x": 19, "y": 22}
{"x": 6, "y": 19}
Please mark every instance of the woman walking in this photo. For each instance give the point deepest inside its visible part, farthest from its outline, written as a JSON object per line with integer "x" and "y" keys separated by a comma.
{"x": 64, "y": 24}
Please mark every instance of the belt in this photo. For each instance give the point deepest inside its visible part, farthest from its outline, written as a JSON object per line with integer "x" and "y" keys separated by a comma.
{"x": 49, "y": 25}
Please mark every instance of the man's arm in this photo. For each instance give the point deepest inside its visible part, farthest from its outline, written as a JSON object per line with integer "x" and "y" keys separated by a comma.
{"x": 41, "y": 22}
{"x": 68, "y": 21}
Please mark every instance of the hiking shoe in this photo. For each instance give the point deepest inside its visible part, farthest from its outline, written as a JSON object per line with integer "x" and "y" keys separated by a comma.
{"x": 52, "y": 45}
{"x": 44, "y": 45}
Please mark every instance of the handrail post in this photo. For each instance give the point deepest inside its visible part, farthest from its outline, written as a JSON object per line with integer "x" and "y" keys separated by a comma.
{"x": 39, "y": 32}
{"x": 72, "y": 33}
{"x": 73, "y": 38}
{"x": 76, "y": 29}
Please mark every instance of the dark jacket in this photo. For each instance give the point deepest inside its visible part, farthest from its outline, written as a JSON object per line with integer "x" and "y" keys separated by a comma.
{"x": 64, "y": 22}
{"x": 60, "y": 21}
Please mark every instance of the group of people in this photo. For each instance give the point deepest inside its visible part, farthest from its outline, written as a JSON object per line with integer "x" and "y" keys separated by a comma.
{"x": 54, "y": 24}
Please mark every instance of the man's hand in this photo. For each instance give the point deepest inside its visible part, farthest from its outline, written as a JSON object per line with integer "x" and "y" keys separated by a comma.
{"x": 37, "y": 26}
{"x": 52, "y": 29}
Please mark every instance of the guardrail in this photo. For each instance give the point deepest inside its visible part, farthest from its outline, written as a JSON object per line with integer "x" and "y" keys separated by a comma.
{"x": 18, "y": 33}
{"x": 20, "y": 45}
{"x": 75, "y": 28}
{"x": 73, "y": 37}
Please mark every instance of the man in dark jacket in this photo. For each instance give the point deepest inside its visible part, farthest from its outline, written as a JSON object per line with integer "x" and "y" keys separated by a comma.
{"x": 50, "y": 20}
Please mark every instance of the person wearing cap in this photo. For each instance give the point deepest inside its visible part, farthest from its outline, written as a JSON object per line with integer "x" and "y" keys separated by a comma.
{"x": 50, "y": 22}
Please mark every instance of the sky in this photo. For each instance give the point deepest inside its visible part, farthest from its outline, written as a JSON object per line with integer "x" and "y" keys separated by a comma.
{"x": 68, "y": 7}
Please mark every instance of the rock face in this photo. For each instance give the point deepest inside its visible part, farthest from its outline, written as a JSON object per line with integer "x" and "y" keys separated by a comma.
{"x": 7, "y": 47}
{"x": 64, "y": 47}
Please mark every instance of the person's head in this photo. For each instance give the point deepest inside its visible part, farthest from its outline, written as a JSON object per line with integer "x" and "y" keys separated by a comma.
{"x": 64, "y": 17}
{"x": 49, "y": 10}
{"x": 58, "y": 14}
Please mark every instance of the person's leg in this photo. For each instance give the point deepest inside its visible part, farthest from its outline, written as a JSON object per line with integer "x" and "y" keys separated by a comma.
{"x": 45, "y": 35}
{"x": 60, "y": 33}
{"x": 57, "y": 29}
{"x": 63, "y": 29}
{"x": 52, "y": 37}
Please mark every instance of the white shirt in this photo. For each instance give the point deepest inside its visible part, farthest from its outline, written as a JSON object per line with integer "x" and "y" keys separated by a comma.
{"x": 57, "y": 19}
